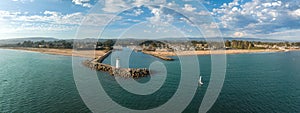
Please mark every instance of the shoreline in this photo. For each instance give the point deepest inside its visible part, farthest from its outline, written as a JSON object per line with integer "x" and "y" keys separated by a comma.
{"x": 198, "y": 53}
{"x": 64, "y": 52}
{"x": 95, "y": 61}
{"x": 167, "y": 58}
{"x": 162, "y": 55}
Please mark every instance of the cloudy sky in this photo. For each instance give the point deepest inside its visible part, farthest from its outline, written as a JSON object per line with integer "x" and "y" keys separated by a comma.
{"x": 272, "y": 19}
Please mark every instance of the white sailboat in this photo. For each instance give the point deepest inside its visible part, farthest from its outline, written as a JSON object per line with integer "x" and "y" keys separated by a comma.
{"x": 200, "y": 80}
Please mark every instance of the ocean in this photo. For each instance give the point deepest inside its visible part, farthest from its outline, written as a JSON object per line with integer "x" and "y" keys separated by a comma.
{"x": 254, "y": 82}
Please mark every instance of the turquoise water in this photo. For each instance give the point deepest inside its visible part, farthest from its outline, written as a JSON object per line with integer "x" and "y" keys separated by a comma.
{"x": 34, "y": 82}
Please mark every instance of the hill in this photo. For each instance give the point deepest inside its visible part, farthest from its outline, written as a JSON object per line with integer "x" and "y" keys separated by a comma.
{"x": 19, "y": 40}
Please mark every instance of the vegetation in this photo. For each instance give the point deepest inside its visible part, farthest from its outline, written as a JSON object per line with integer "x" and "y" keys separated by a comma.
{"x": 295, "y": 44}
{"x": 198, "y": 42}
{"x": 152, "y": 43}
{"x": 228, "y": 44}
{"x": 241, "y": 44}
{"x": 65, "y": 44}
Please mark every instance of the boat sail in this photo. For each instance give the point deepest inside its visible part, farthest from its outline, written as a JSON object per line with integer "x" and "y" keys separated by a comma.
{"x": 200, "y": 80}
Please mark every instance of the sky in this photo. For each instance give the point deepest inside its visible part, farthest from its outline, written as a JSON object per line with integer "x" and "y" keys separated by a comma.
{"x": 69, "y": 19}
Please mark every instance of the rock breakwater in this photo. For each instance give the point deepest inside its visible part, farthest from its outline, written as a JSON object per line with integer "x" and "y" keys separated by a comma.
{"x": 97, "y": 64}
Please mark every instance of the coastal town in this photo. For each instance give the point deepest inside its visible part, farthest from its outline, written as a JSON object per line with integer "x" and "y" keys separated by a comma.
{"x": 157, "y": 48}
{"x": 228, "y": 45}
{"x": 163, "y": 49}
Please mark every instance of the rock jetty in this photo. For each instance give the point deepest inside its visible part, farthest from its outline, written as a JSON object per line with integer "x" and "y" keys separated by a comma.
{"x": 97, "y": 64}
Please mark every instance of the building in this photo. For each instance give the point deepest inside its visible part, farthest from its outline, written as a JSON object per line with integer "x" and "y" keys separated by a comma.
{"x": 118, "y": 63}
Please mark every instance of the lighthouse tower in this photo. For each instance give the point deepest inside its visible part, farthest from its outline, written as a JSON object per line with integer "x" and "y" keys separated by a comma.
{"x": 118, "y": 63}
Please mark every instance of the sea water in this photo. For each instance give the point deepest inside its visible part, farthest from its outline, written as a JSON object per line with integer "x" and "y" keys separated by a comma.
{"x": 35, "y": 82}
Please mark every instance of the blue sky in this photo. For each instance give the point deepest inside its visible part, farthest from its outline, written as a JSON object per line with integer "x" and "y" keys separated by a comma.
{"x": 272, "y": 19}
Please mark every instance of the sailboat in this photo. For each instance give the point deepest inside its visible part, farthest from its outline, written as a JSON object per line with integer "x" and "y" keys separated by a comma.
{"x": 200, "y": 80}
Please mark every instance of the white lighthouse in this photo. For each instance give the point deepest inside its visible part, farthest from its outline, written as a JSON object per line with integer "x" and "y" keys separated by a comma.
{"x": 117, "y": 63}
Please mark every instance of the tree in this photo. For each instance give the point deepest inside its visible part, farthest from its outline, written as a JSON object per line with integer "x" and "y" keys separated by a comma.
{"x": 227, "y": 43}
{"x": 99, "y": 44}
{"x": 108, "y": 43}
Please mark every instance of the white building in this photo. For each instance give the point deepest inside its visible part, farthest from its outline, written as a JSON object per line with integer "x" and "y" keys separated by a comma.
{"x": 118, "y": 63}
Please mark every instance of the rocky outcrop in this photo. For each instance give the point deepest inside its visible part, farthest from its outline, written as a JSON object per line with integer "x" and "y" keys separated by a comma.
{"x": 123, "y": 72}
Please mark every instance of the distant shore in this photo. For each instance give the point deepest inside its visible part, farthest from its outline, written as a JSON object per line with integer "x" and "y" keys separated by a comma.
{"x": 208, "y": 52}
{"x": 65, "y": 52}
{"x": 158, "y": 55}
{"x": 162, "y": 55}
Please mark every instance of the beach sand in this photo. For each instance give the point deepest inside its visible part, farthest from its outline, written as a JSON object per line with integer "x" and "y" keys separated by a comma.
{"x": 239, "y": 51}
{"x": 97, "y": 53}
{"x": 65, "y": 52}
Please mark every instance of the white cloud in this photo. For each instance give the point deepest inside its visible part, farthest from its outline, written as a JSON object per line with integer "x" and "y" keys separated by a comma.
{"x": 6, "y": 15}
{"x": 135, "y": 12}
{"x": 276, "y": 4}
{"x": 52, "y": 17}
{"x": 267, "y": 4}
{"x": 50, "y": 22}
{"x": 188, "y": 7}
{"x": 23, "y": 1}
{"x": 234, "y": 9}
{"x": 140, "y": 2}
{"x": 239, "y": 34}
{"x": 87, "y": 5}
{"x": 84, "y": 3}
{"x": 159, "y": 17}
{"x": 79, "y": 2}
{"x": 16, "y": 22}
{"x": 204, "y": 13}
{"x": 148, "y": 30}
{"x": 138, "y": 12}
{"x": 51, "y": 13}
{"x": 258, "y": 16}
{"x": 99, "y": 20}
{"x": 295, "y": 13}
{"x": 114, "y": 6}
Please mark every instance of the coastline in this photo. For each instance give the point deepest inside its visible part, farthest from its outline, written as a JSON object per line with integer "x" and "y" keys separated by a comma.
{"x": 96, "y": 57}
{"x": 64, "y": 52}
{"x": 187, "y": 53}
{"x": 162, "y": 55}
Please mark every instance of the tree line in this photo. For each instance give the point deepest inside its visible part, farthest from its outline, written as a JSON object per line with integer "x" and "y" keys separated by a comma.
{"x": 62, "y": 44}
{"x": 65, "y": 44}
{"x": 242, "y": 44}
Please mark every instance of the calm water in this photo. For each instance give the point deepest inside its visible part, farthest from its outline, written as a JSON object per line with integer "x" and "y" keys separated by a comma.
{"x": 34, "y": 82}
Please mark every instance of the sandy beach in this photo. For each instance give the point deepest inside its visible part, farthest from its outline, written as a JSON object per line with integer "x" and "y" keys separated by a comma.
{"x": 97, "y": 53}
{"x": 239, "y": 51}
{"x": 65, "y": 52}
